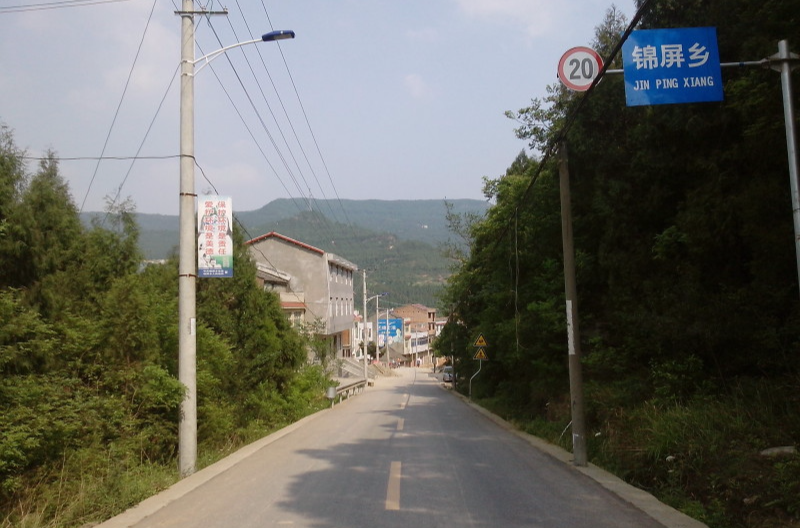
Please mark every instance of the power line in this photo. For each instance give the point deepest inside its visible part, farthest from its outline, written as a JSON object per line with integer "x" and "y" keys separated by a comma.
{"x": 147, "y": 133}
{"x": 252, "y": 136}
{"x": 328, "y": 202}
{"x": 121, "y": 99}
{"x": 269, "y": 107}
{"x": 308, "y": 123}
{"x": 308, "y": 200}
{"x": 55, "y": 5}
{"x": 283, "y": 106}
{"x": 101, "y": 158}
{"x": 258, "y": 116}
{"x": 573, "y": 114}
{"x": 323, "y": 220}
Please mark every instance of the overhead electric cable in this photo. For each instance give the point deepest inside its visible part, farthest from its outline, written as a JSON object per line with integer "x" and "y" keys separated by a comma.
{"x": 55, "y": 5}
{"x": 258, "y": 115}
{"x": 328, "y": 202}
{"x": 104, "y": 158}
{"x": 121, "y": 99}
{"x": 562, "y": 133}
{"x": 269, "y": 107}
{"x": 243, "y": 228}
{"x": 283, "y": 106}
{"x": 573, "y": 114}
{"x": 147, "y": 133}
{"x": 252, "y": 136}
{"x": 308, "y": 123}
{"x": 323, "y": 220}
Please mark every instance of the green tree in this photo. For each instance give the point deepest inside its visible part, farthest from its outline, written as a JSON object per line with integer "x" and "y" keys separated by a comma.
{"x": 45, "y": 228}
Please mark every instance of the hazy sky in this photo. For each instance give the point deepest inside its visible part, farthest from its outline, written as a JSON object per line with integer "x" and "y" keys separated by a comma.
{"x": 386, "y": 99}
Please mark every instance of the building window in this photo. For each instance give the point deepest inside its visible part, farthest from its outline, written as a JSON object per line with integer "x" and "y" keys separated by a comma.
{"x": 296, "y": 317}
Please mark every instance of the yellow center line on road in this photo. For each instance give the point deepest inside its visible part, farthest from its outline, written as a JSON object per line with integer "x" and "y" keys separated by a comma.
{"x": 393, "y": 489}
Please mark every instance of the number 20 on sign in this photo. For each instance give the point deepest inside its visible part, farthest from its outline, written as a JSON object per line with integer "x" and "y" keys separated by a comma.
{"x": 578, "y": 68}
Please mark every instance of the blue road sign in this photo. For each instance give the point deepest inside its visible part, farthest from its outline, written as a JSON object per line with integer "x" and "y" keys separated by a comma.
{"x": 395, "y": 333}
{"x": 668, "y": 66}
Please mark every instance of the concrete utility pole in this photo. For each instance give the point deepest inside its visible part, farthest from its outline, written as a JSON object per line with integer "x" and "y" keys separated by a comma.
{"x": 187, "y": 241}
{"x": 187, "y": 265}
{"x": 364, "y": 322}
{"x": 573, "y": 332}
{"x": 386, "y": 339}
{"x": 377, "y": 318}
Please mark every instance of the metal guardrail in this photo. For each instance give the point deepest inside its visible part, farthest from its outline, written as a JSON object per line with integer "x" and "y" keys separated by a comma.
{"x": 345, "y": 390}
{"x": 352, "y": 368}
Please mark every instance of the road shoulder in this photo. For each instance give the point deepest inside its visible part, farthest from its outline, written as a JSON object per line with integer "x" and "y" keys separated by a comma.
{"x": 153, "y": 504}
{"x": 640, "y": 499}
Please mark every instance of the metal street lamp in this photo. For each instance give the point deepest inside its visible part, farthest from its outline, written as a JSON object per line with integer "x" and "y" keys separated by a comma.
{"x": 187, "y": 244}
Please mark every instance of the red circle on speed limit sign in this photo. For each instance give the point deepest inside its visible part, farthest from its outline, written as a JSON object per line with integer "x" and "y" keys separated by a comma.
{"x": 578, "y": 68}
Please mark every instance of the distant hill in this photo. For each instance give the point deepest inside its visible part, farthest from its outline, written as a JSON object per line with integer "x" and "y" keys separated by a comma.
{"x": 418, "y": 220}
{"x": 398, "y": 242}
{"x": 421, "y": 220}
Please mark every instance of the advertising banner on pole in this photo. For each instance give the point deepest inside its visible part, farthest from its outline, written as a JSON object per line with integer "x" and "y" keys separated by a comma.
{"x": 214, "y": 236}
{"x": 670, "y": 66}
{"x": 395, "y": 331}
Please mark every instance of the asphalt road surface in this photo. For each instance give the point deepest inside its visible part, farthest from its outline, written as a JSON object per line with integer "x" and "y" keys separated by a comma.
{"x": 405, "y": 453}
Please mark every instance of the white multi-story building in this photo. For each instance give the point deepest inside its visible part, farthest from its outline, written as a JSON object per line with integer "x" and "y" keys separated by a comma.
{"x": 316, "y": 287}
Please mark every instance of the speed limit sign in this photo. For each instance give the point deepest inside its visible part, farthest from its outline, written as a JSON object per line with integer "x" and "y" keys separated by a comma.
{"x": 578, "y": 68}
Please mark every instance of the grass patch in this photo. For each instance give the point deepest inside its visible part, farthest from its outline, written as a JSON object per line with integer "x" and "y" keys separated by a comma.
{"x": 96, "y": 482}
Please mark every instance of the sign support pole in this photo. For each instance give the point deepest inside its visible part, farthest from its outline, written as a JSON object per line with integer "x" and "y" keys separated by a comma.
{"x": 791, "y": 142}
{"x": 573, "y": 333}
{"x": 480, "y": 366}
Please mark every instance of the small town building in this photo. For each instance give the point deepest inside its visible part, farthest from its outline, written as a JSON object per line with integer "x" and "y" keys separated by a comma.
{"x": 315, "y": 287}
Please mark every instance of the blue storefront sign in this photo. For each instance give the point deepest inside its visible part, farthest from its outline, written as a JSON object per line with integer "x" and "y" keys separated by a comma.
{"x": 395, "y": 333}
{"x": 669, "y": 66}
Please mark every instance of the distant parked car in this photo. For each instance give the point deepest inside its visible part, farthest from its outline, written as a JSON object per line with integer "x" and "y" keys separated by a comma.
{"x": 447, "y": 375}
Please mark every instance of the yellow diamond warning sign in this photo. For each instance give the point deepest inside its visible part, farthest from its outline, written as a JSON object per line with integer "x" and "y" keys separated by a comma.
{"x": 480, "y": 342}
{"x": 481, "y": 354}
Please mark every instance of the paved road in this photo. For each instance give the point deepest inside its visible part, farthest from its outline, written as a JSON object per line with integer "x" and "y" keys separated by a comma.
{"x": 405, "y": 453}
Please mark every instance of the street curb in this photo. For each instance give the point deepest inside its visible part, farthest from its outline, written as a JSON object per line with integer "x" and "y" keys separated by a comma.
{"x": 152, "y": 504}
{"x": 640, "y": 499}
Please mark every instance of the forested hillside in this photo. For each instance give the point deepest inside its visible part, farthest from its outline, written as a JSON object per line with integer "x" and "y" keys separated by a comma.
{"x": 687, "y": 279}
{"x": 411, "y": 271}
{"x": 399, "y": 242}
{"x": 407, "y": 220}
{"x": 410, "y": 220}
{"x": 88, "y": 350}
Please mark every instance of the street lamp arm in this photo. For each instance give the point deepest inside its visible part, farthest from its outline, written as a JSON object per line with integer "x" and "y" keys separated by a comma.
{"x": 206, "y": 59}
{"x": 266, "y": 37}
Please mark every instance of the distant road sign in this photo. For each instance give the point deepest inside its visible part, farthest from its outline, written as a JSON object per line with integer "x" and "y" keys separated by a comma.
{"x": 481, "y": 354}
{"x": 578, "y": 68}
{"x": 667, "y": 66}
{"x": 480, "y": 342}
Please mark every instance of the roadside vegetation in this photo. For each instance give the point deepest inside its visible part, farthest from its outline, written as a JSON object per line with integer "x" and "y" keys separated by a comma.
{"x": 687, "y": 280}
{"x": 89, "y": 394}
